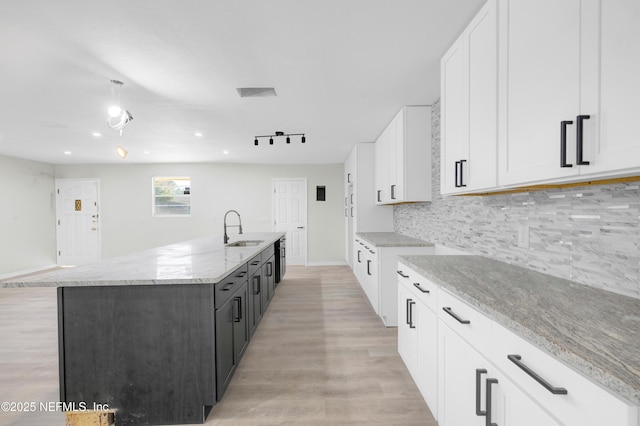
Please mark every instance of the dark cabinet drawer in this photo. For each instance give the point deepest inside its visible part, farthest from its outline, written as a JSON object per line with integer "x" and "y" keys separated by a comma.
{"x": 255, "y": 263}
{"x": 225, "y": 288}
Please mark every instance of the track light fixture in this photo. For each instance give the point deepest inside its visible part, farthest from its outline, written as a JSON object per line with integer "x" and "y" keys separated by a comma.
{"x": 279, "y": 134}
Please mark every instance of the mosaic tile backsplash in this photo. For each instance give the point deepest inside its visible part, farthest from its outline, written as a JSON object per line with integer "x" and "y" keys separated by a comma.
{"x": 588, "y": 234}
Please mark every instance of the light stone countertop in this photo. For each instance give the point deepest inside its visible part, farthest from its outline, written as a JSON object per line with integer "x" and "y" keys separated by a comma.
{"x": 203, "y": 260}
{"x": 391, "y": 239}
{"x": 594, "y": 331}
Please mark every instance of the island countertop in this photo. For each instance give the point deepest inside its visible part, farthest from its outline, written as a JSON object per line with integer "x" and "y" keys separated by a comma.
{"x": 198, "y": 261}
{"x": 592, "y": 330}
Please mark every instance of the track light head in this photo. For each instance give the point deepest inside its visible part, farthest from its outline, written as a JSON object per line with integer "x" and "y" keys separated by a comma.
{"x": 270, "y": 141}
{"x": 255, "y": 142}
{"x": 303, "y": 139}
{"x": 288, "y": 139}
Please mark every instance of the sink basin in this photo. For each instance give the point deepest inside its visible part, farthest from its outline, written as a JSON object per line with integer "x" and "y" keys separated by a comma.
{"x": 245, "y": 243}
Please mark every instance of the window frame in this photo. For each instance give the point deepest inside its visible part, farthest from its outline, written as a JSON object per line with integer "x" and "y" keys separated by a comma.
{"x": 155, "y": 196}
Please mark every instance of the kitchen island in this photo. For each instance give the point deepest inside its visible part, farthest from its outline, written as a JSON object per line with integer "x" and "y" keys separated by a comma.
{"x": 156, "y": 335}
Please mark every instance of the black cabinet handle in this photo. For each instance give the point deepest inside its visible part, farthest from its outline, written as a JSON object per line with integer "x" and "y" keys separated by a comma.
{"x": 517, "y": 360}
{"x": 409, "y": 313}
{"x": 402, "y": 275}
{"x": 348, "y": 177}
{"x": 352, "y": 199}
{"x": 351, "y": 211}
{"x": 368, "y": 264}
{"x": 563, "y": 143}
{"x": 487, "y": 411}
{"x": 411, "y": 303}
{"x": 417, "y": 285}
{"x": 269, "y": 269}
{"x": 393, "y": 192}
{"x": 227, "y": 287}
{"x": 237, "y": 307}
{"x": 255, "y": 262}
{"x": 256, "y": 279}
{"x": 241, "y": 274}
{"x": 579, "y": 120}
{"x": 488, "y": 402}
{"x": 460, "y": 320}
{"x": 379, "y": 193}
{"x": 479, "y": 373}
{"x": 359, "y": 261}
{"x": 462, "y": 184}
{"x": 345, "y": 212}
{"x": 372, "y": 252}
{"x": 456, "y": 174}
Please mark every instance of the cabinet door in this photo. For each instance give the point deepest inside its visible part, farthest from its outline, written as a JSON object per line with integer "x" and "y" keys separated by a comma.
{"x": 370, "y": 272}
{"x": 407, "y": 331}
{"x": 457, "y": 395}
{"x": 454, "y": 116}
{"x": 618, "y": 145}
{"x": 396, "y": 158}
{"x": 269, "y": 278}
{"x": 240, "y": 323}
{"x": 381, "y": 171}
{"x": 255, "y": 293}
{"x": 516, "y": 408}
{"x": 427, "y": 352}
{"x": 540, "y": 73}
{"x": 225, "y": 359}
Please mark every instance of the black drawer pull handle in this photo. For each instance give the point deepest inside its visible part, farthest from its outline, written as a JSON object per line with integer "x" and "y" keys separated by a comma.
{"x": 402, "y": 275}
{"x": 563, "y": 143}
{"x": 255, "y": 262}
{"x": 457, "y": 185}
{"x": 237, "y": 305}
{"x": 379, "y": 192}
{"x": 417, "y": 285}
{"x": 579, "y": 160}
{"x": 411, "y": 303}
{"x": 227, "y": 287}
{"x": 479, "y": 373}
{"x": 460, "y": 320}
{"x": 359, "y": 261}
{"x": 517, "y": 360}
{"x": 368, "y": 266}
{"x": 372, "y": 252}
{"x": 393, "y": 192}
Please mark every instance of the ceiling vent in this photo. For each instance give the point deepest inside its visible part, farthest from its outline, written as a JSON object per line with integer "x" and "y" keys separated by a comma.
{"x": 256, "y": 92}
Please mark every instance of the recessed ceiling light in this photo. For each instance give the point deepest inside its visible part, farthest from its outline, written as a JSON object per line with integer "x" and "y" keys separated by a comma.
{"x": 198, "y": 134}
{"x": 147, "y": 152}
{"x": 67, "y": 153}
{"x": 96, "y": 134}
{"x": 225, "y": 152}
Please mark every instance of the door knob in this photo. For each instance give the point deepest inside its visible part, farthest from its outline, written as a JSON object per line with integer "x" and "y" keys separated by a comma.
{"x": 300, "y": 227}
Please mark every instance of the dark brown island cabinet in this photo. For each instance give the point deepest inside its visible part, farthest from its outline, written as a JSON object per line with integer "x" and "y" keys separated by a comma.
{"x": 161, "y": 354}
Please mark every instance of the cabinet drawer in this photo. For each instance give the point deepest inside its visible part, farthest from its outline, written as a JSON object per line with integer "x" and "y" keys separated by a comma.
{"x": 225, "y": 288}
{"x": 267, "y": 253}
{"x": 585, "y": 403}
{"x": 420, "y": 287}
{"x": 255, "y": 264}
{"x": 469, "y": 323}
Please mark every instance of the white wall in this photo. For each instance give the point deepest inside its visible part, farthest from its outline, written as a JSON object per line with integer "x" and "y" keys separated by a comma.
{"x": 27, "y": 216}
{"x": 125, "y": 205}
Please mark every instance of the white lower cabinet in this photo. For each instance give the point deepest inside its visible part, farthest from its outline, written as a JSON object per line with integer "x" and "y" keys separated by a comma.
{"x": 476, "y": 372}
{"x": 418, "y": 333}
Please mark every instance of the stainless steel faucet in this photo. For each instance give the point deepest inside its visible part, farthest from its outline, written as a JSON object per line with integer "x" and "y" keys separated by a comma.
{"x": 239, "y": 225}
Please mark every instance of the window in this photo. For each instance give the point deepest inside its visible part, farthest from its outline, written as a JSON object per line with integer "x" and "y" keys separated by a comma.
{"x": 171, "y": 196}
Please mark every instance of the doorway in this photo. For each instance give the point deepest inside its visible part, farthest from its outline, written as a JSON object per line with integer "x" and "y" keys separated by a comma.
{"x": 290, "y": 216}
{"x": 77, "y": 221}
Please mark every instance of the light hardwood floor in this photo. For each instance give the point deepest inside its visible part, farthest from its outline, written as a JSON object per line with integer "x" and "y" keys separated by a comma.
{"x": 320, "y": 356}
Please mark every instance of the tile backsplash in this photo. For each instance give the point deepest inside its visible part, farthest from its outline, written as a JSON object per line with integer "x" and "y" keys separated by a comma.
{"x": 588, "y": 234}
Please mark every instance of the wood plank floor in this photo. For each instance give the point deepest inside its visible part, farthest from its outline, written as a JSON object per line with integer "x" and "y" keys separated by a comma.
{"x": 319, "y": 357}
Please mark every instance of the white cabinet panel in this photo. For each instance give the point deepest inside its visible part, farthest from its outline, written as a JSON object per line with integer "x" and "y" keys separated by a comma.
{"x": 469, "y": 78}
{"x": 403, "y": 158}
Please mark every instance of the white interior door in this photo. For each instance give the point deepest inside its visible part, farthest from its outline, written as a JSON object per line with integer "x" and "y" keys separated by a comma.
{"x": 290, "y": 216}
{"x": 78, "y": 221}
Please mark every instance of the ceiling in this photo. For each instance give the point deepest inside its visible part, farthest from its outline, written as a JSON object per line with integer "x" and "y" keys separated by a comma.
{"x": 341, "y": 70}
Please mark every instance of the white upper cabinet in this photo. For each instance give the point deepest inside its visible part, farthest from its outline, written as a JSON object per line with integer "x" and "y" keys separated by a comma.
{"x": 403, "y": 158}
{"x": 568, "y": 91}
{"x": 617, "y": 142}
{"x": 469, "y": 78}
{"x": 553, "y": 85}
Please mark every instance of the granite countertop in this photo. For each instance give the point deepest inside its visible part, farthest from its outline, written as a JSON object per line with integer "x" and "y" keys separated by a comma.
{"x": 391, "y": 239}
{"x": 594, "y": 331}
{"x": 203, "y": 260}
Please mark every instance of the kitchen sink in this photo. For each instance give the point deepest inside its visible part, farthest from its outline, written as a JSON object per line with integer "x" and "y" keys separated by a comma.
{"x": 245, "y": 243}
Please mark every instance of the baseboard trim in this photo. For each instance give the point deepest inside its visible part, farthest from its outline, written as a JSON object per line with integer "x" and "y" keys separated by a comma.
{"x": 337, "y": 263}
